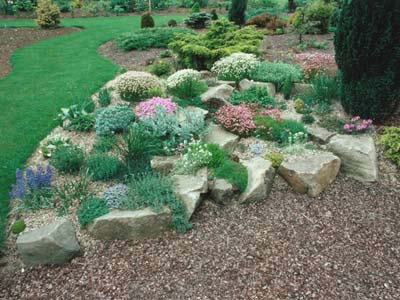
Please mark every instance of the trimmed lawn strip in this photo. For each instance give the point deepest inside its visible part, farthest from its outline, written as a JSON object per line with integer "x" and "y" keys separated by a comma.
{"x": 46, "y": 76}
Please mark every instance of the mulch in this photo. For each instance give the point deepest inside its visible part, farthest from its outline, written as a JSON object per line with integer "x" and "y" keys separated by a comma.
{"x": 13, "y": 38}
{"x": 343, "y": 244}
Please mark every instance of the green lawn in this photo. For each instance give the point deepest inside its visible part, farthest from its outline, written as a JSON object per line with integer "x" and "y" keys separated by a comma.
{"x": 46, "y": 76}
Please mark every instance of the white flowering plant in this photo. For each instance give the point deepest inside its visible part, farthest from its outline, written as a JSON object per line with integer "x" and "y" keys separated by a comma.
{"x": 195, "y": 156}
{"x": 136, "y": 86}
{"x": 186, "y": 84}
{"x": 236, "y": 66}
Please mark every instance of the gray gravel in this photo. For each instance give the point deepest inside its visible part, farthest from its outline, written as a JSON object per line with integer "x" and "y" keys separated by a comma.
{"x": 344, "y": 244}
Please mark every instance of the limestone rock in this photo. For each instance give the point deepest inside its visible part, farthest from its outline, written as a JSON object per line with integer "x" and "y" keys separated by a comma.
{"x": 358, "y": 155}
{"x": 190, "y": 187}
{"x": 164, "y": 164}
{"x": 260, "y": 180}
{"x": 319, "y": 134}
{"x": 218, "y": 135}
{"x": 310, "y": 173}
{"x": 217, "y": 96}
{"x": 245, "y": 84}
{"x": 222, "y": 191}
{"x": 228, "y": 82}
{"x": 130, "y": 225}
{"x": 55, "y": 243}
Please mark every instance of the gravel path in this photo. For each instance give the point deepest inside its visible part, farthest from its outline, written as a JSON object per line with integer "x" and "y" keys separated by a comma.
{"x": 344, "y": 244}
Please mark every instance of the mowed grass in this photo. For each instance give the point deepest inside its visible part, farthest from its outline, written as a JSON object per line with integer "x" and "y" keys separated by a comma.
{"x": 46, "y": 76}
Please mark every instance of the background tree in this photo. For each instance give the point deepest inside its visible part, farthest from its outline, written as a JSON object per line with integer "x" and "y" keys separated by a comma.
{"x": 291, "y": 6}
{"x": 237, "y": 12}
{"x": 367, "y": 45}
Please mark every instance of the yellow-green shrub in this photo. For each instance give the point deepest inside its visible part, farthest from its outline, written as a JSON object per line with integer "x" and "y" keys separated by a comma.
{"x": 48, "y": 14}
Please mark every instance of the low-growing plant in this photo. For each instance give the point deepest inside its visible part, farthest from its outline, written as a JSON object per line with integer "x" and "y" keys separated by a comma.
{"x": 301, "y": 107}
{"x": 194, "y": 157}
{"x": 218, "y": 155}
{"x": 358, "y": 126}
{"x": 75, "y": 117}
{"x": 233, "y": 172}
{"x": 154, "y": 191}
{"x": 390, "y": 140}
{"x": 276, "y": 158}
{"x": 136, "y": 86}
{"x": 112, "y": 119}
{"x": 255, "y": 94}
{"x": 186, "y": 84}
{"x": 102, "y": 166}
{"x": 91, "y": 209}
{"x": 307, "y": 119}
{"x": 314, "y": 64}
{"x": 165, "y": 54}
{"x": 115, "y": 195}
{"x": 325, "y": 88}
{"x": 160, "y": 68}
{"x": 147, "y": 108}
{"x": 18, "y": 226}
{"x": 33, "y": 188}
{"x": 322, "y": 109}
{"x": 105, "y": 143}
{"x": 52, "y": 144}
{"x": 295, "y": 144}
{"x": 68, "y": 159}
{"x": 332, "y": 123}
{"x": 277, "y": 73}
{"x": 172, "y": 23}
{"x": 235, "y": 67}
{"x": 237, "y": 119}
{"x": 104, "y": 98}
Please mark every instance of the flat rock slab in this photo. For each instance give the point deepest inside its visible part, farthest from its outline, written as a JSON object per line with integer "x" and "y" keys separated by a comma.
{"x": 358, "y": 155}
{"x": 164, "y": 164}
{"x": 190, "y": 187}
{"x": 260, "y": 180}
{"x": 131, "y": 225}
{"x": 217, "y": 96}
{"x": 55, "y": 243}
{"x": 310, "y": 173}
{"x": 245, "y": 84}
{"x": 319, "y": 134}
{"x": 218, "y": 135}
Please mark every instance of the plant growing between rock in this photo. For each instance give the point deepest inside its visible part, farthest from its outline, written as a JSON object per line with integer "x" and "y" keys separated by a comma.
{"x": 390, "y": 140}
{"x": 91, "y": 209}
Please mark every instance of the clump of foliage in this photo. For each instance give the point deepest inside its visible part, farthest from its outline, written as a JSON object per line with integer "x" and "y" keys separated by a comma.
{"x": 277, "y": 130}
{"x": 147, "y": 108}
{"x": 275, "y": 158}
{"x": 112, "y": 119}
{"x": 155, "y": 191}
{"x": 370, "y": 80}
{"x": 146, "y": 21}
{"x": 319, "y": 12}
{"x": 75, "y": 117}
{"x": 104, "y": 143}
{"x": 198, "y": 20}
{"x": 332, "y": 123}
{"x": 236, "y": 66}
{"x": 186, "y": 84}
{"x": 307, "y": 119}
{"x": 301, "y": 107}
{"x": 32, "y": 188}
{"x": 18, "y": 226}
{"x": 172, "y": 23}
{"x": 255, "y": 94}
{"x": 315, "y": 64}
{"x": 48, "y": 14}
{"x": 214, "y": 15}
{"x": 233, "y": 172}
{"x": 104, "y": 98}
{"x": 357, "y": 126}
{"x": 322, "y": 109}
{"x": 218, "y": 155}
{"x": 390, "y": 140}
{"x": 136, "y": 86}
{"x": 68, "y": 159}
{"x": 325, "y": 88}
{"x": 52, "y": 144}
{"x": 222, "y": 39}
{"x": 194, "y": 157}
{"x": 160, "y": 68}
{"x": 165, "y": 54}
{"x": 149, "y": 38}
{"x": 237, "y": 119}
{"x": 195, "y": 8}
{"x": 102, "y": 166}
{"x": 268, "y": 21}
{"x": 115, "y": 195}
{"x": 237, "y": 12}
{"x": 277, "y": 73}
{"x": 91, "y": 209}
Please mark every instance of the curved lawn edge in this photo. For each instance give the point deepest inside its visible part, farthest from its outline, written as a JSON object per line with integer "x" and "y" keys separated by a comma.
{"x": 46, "y": 76}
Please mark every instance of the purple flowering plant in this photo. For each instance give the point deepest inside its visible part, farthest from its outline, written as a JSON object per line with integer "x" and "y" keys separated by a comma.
{"x": 358, "y": 125}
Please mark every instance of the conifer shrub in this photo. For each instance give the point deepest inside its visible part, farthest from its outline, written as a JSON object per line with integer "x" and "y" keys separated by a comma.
{"x": 147, "y": 21}
{"x": 237, "y": 11}
{"x": 48, "y": 14}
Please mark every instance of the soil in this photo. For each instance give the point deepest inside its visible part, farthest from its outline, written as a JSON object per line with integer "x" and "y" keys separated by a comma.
{"x": 13, "y": 38}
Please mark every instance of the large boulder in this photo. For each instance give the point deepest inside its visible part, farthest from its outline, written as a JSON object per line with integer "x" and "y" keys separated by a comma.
{"x": 260, "y": 180}
{"x": 217, "y": 96}
{"x": 310, "y": 173}
{"x": 222, "y": 191}
{"x": 131, "y": 225}
{"x": 218, "y": 135}
{"x": 190, "y": 187}
{"x": 164, "y": 164}
{"x": 358, "y": 155}
{"x": 55, "y": 243}
{"x": 245, "y": 84}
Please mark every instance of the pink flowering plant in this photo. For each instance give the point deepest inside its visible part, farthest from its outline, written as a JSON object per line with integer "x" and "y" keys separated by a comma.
{"x": 316, "y": 63}
{"x": 358, "y": 126}
{"x": 147, "y": 108}
{"x": 274, "y": 113}
{"x": 237, "y": 119}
